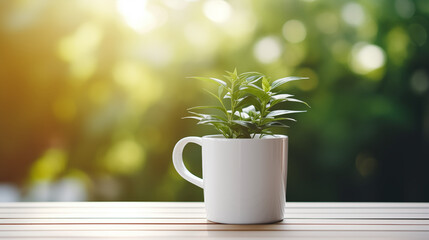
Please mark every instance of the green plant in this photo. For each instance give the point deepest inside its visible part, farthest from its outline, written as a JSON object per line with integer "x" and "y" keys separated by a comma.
{"x": 248, "y": 105}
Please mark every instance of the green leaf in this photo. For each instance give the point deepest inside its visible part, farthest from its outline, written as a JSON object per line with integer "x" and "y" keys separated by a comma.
{"x": 243, "y": 129}
{"x": 227, "y": 95}
{"x": 244, "y": 123}
{"x": 268, "y": 120}
{"x": 220, "y": 91}
{"x": 205, "y": 119}
{"x": 218, "y": 81}
{"x": 281, "y": 112}
{"x": 284, "y": 98}
{"x": 277, "y": 83}
{"x": 242, "y": 115}
{"x": 298, "y": 101}
{"x": 207, "y": 107}
{"x": 277, "y": 124}
{"x": 266, "y": 84}
{"x": 232, "y": 76}
{"x": 246, "y": 101}
{"x": 222, "y": 128}
{"x": 209, "y": 117}
{"x": 254, "y": 115}
{"x": 286, "y": 119}
{"x": 249, "y": 109}
{"x": 214, "y": 95}
{"x": 209, "y": 121}
{"x": 273, "y": 130}
{"x": 219, "y": 118}
{"x": 192, "y": 117}
{"x": 251, "y": 77}
{"x": 257, "y": 92}
{"x": 281, "y": 96}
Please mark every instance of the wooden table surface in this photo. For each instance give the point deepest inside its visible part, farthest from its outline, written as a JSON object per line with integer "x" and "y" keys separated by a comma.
{"x": 186, "y": 220}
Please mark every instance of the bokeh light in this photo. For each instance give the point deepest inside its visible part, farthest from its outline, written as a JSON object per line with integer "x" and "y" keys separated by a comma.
{"x": 420, "y": 81}
{"x": 327, "y": 22}
{"x": 267, "y": 50}
{"x": 125, "y": 157}
{"x": 217, "y": 10}
{"x": 136, "y": 15}
{"x": 353, "y": 14}
{"x": 294, "y": 31}
{"x": 405, "y": 8}
{"x": 367, "y": 58}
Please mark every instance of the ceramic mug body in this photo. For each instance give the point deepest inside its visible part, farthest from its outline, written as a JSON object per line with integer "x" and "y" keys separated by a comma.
{"x": 244, "y": 180}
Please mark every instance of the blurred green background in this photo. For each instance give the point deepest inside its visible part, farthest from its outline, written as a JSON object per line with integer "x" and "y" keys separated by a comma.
{"x": 92, "y": 94}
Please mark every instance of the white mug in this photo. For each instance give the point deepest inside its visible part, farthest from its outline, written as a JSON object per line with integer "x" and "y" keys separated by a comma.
{"x": 244, "y": 180}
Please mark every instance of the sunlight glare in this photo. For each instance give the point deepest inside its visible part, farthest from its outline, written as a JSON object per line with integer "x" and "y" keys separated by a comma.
{"x": 136, "y": 15}
{"x": 217, "y": 10}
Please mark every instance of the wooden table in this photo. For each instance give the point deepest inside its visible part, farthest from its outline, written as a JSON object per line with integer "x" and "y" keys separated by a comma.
{"x": 186, "y": 220}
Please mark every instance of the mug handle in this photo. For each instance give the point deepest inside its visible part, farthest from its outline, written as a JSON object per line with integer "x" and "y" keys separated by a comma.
{"x": 178, "y": 160}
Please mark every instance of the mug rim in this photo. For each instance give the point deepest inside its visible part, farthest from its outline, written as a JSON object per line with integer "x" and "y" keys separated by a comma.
{"x": 220, "y": 137}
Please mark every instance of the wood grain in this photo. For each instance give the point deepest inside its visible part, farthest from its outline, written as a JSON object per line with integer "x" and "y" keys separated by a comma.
{"x": 186, "y": 220}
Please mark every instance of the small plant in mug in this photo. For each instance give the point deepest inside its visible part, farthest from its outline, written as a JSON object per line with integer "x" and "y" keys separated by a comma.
{"x": 247, "y": 105}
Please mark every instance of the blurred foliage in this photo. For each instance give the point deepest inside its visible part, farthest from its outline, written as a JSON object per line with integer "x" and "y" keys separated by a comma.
{"x": 92, "y": 94}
